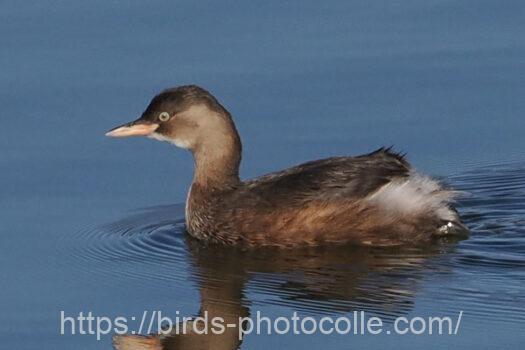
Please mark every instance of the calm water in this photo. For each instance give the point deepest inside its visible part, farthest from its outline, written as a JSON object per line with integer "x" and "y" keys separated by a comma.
{"x": 93, "y": 224}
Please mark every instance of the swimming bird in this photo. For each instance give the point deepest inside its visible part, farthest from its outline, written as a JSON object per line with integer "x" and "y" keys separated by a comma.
{"x": 375, "y": 199}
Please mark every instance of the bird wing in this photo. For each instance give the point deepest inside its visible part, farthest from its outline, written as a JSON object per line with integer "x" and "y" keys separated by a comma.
{"x": 346, "y": 178}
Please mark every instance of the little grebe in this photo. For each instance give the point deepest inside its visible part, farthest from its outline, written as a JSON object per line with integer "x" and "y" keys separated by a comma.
{"x": 373, "y": 199}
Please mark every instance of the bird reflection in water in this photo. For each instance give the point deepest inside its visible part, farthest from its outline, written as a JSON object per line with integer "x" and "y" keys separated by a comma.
{"x": 328, "y": 281}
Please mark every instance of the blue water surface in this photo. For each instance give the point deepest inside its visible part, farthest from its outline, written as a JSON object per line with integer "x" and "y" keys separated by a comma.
{"x": 441, "y": 80}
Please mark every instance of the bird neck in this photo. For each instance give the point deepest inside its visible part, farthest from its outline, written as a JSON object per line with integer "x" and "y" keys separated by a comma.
{"x": 218, "y": 157}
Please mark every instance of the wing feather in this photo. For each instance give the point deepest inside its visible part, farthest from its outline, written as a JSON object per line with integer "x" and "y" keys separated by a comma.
{"x": 329, "y": 179}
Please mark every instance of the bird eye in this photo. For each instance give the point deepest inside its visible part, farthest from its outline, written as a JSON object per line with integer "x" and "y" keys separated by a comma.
{"x": 164, "y": 116}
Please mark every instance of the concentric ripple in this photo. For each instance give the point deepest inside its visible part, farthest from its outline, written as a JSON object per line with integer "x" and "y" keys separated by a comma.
{"x": 152, "y": 237}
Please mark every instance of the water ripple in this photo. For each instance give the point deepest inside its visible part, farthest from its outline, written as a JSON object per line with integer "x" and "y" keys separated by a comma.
{"x": 483, "y": 275}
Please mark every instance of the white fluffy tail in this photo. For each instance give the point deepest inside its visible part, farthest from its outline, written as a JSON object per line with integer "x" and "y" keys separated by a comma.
{"x": 418, "y": 196}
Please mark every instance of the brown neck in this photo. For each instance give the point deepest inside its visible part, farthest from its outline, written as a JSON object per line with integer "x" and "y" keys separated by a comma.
{"x": 217, "y": 158}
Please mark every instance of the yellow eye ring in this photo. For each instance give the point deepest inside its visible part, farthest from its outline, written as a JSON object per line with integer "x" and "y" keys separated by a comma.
{"x": 164, "y": 116}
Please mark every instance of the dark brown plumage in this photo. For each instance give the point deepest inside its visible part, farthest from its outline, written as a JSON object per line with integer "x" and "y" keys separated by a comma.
{"x": 373, "y": 199}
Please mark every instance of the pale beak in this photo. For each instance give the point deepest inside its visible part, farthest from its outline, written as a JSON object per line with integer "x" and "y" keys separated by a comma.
{"x": 137, "y": 128}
